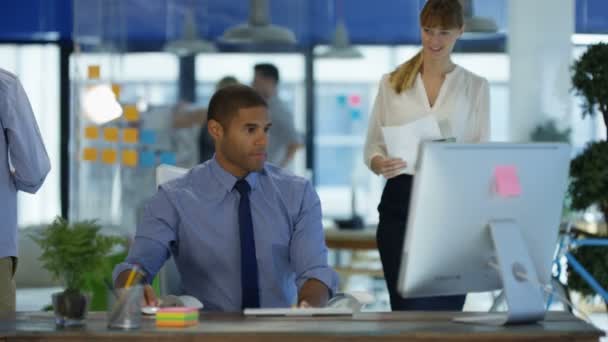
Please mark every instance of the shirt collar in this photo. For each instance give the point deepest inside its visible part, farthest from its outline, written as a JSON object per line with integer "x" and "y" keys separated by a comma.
{"x": 227, "y": 180}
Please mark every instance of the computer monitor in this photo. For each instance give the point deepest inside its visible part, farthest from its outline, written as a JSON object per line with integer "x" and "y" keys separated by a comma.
{"x": 484, "y": 217}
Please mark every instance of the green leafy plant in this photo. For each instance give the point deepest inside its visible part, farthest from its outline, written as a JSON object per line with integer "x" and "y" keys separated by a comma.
{"x": 549, "y": 132}
{"x": 74, "y": 253}
{"x": 590, "y": 80}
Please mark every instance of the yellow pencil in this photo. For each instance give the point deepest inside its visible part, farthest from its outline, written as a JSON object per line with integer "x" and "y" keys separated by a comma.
{"x": 131, "y": 277}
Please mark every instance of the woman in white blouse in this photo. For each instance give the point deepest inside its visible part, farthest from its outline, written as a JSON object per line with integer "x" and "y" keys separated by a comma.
{"x": 428, "y": 84}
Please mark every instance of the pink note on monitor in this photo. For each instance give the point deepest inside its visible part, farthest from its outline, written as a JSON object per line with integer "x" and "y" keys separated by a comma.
{"x": 507, "y": 181}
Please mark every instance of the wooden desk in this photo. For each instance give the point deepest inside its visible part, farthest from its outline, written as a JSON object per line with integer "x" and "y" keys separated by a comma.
{"x": 362, "y": 239}
{"x": 411, "y": 326}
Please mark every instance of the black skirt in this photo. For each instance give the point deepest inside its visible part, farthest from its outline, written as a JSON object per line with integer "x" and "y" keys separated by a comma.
{"x": 393, "y": 210}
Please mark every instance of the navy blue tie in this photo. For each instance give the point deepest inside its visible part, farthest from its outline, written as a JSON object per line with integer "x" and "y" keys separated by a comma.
{"x": 249, "y": 265}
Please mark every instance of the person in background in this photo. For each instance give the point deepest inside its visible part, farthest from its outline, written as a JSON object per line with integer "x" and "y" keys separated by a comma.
{"x": 284, "y": 141}
{"x": 429, "y": 84}
{"x": 24, "y": 166}
{"x": 243, "y": 233}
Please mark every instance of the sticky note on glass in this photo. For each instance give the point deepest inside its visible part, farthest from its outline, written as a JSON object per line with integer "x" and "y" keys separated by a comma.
{"x": 116, "y": 90}
{"x": 93, "y": 72}
{"x": 108, "y": 156}
{"x": 147, "y": 159}
{"x": 131, "y": 113}
{"x": 110, "y": 134}
{"x": 147, "y": 137}
{"x": 129, "y": 158}
{"x": 130, "y": 135}
{"x": 89, "y": 154}
{"x": 91, "y": 133}
{"x": 167, "y": 158}
{"x": 507, "y": 181}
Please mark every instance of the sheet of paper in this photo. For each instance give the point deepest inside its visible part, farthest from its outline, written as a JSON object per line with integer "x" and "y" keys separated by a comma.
{"x": 403, "y": 141}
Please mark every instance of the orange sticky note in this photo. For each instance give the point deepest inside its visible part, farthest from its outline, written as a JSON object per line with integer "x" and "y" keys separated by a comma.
{"x": 129, "y": 158}
{"x": 89, "y": 154}
{"x": 110, "y": 134}
{"x": 94, "y": 72}
{"x": 130, "y": 135}
{"x": 116, "y": 90}
{"x": 91, "y": 132}
{"x": 131, "y": 113}
{"x": 108, "y": 156}
{"x": 507, "y": 181}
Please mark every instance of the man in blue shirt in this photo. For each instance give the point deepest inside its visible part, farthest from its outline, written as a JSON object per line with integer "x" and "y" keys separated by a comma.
{"x": 24, "y": 166}
{"x": 243, "y": 233}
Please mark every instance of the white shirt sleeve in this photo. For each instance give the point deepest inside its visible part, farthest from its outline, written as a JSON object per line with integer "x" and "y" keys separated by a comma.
{"x": 374, "y": 142}
{"x": 482, "y": 113}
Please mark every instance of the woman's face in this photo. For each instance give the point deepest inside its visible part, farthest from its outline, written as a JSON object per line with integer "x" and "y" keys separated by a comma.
{"x": 439, "y": 42}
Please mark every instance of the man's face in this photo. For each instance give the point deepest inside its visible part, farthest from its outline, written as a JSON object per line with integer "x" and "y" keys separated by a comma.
{"x": 263, "y": 85}
{"x": 242, "y": 145}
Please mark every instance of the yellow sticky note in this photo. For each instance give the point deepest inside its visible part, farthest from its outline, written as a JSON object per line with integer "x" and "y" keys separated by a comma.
{"x": 129, "y": 158}
{"x": 116, "y": 90}
{"x": 91, "y": 132}
{"x": 110, "y": 134}
{"x": 89, "y": 154}
{"x": 131, "y": 113}
{"x": 108, "y": 156}
{"x": 94, "y": 72}
{"x": 130, "y": 135}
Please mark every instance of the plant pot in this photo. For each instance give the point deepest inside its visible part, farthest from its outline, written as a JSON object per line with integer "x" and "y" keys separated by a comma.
{"x": 70, "y": 308}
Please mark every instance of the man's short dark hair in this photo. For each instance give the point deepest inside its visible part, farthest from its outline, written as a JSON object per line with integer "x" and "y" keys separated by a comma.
{"x": 267, "y": 70}
{"x": 227, "y": 102}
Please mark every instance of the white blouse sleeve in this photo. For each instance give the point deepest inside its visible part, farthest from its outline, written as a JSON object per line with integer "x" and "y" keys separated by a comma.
{"x": 374, "y": 143}
{"x": 482, "y": 113}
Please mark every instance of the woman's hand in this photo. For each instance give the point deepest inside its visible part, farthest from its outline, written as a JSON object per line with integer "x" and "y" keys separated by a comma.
{"x": 387, "y": 167}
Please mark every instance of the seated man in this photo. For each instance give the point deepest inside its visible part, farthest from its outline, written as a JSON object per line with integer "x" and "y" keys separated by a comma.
{"x": 244, "y": 234}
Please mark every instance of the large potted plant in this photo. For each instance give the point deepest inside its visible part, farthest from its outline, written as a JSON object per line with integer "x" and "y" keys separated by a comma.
{"x": 589, "y": 170}
{"x": 72, "y": 253}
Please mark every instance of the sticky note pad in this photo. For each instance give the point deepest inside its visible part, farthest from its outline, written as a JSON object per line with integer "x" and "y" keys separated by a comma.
{"x": 147, "y": 137}
{"x": 167, "y": 158}
{"x": 176, "y": 317}
{"x": 131, "y": 113}
{"x": 129, "y": 158}
{"x": 108, "y": 156}
{"x": 147, "y": 159}
{"x": 93, "y": 72}
{"x": 507, "y": 181}
{"x": 110, "y": 134}
{"x": 130, "y": 135}
{"x": 91, "y": 132}
{"x": 89, "y": 154}
{"x": 116, "y": 90}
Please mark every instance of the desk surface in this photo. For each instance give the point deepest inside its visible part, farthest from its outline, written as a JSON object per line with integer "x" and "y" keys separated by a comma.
{"x": 413, "y": 326}
{"x": 351, "y": 239}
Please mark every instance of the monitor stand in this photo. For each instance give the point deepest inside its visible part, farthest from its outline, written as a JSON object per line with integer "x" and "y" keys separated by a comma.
{"x": 524, "y": 297}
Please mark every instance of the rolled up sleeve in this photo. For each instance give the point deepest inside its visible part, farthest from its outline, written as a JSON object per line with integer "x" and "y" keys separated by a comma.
{"x": 27, "y": 154}
{"x": 154, "y": 236}
{"x": 308, "y": 251}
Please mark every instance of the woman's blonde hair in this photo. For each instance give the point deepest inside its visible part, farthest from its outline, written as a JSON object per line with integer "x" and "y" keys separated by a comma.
{"x": 446, "y": 14}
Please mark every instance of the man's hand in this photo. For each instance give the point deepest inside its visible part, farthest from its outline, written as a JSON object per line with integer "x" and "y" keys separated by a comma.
{"x": 387, "y": 167}
{"x": 149, "y": 298}
{"x": 313, "y": 293}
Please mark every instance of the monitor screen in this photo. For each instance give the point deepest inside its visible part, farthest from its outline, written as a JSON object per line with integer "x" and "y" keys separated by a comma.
{"x": 458, "y": 191}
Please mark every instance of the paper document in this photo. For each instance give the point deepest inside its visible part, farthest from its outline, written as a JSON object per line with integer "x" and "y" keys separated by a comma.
{"x": 403, "y": 141}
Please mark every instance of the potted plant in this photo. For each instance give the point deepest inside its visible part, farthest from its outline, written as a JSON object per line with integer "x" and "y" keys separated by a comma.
{"x": 71, "y": 253}
{"x": 589, "y": 170}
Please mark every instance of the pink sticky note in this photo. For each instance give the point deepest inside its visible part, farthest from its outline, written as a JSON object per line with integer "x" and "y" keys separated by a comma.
{"x": 507, "y": 181}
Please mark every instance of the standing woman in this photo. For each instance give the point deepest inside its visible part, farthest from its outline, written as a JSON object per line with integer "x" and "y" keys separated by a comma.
{"x": 428, "y": 84}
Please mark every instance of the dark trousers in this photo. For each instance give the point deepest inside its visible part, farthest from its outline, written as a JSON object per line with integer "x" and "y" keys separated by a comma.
{"x": 393, "y": 209}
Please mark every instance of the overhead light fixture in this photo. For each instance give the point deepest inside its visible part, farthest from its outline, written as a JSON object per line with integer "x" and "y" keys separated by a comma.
{"x": 190, "y": 43}
{"x": 476, "y": 27}
{"x": 258, "y": 30}
{"x": 341, "y": 47}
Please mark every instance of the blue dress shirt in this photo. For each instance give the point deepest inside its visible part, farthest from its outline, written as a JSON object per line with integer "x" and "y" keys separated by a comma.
{"x": 24, "y": 162}
{"x": 195, "y": 218}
